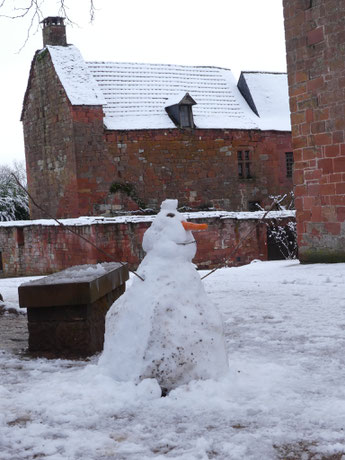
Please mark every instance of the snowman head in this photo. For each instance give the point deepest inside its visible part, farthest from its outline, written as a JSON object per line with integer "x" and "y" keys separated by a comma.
{"x": 170, "y": 235}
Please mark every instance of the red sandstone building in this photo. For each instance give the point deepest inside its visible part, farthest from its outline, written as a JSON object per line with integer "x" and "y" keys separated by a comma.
{"x": 105, "y": 136}
{"x": 315, "y": 44}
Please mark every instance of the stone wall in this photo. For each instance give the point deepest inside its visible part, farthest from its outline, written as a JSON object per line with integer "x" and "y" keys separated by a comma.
{"x": 49, "y": 141}
{"x": 94, "y": 168}
{"x": 315, "y": 43}
{"x": 35, "y": 248}
{"x": 198, "y": 167}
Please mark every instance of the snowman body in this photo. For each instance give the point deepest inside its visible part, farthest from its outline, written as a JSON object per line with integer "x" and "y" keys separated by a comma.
{"x": 165, "y": 327}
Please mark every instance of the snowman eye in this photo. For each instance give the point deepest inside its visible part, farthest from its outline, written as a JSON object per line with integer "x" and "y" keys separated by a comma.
{"x": 170, "y": 214}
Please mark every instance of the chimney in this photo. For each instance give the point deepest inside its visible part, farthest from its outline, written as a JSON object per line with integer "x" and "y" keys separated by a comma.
{"x": 54, "y": 31}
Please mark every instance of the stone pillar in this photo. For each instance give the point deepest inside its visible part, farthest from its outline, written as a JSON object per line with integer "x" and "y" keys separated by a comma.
{"x": 315, "y": 46}
{"x": 66, "y": 310}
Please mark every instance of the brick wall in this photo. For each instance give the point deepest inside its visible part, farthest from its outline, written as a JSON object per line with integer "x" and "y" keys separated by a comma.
{"x": 315, "y": 43}
{"x": 43, "y": 249}
{"x": 72, "y": 161}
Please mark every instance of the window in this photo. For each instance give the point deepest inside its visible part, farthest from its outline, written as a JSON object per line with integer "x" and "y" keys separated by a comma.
{"x": 244, "y": 164}
{"x": 186, "y": 116}
{"x": 289, "y": 163}
{"x": 1, "y": 264}
{"x": 20, "y": 236}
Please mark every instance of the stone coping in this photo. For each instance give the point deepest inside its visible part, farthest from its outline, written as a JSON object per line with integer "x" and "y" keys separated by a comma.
{"x": 78, "y": 285}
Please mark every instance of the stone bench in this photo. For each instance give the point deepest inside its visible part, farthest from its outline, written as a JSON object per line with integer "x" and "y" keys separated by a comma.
{"x": 66, "y": 311}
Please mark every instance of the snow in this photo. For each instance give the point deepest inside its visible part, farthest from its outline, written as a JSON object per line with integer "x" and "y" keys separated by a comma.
{"x": 9, "y": 292}
{"x": 284, "y": 327}
{"x": 165, "y": 328}
{"x": 137, "y": 95}
{"x": 270, "y": 93}
{"x": 76, "y": 274}
{"x": 80, "y": 86}
{"x": 85, "y": 220}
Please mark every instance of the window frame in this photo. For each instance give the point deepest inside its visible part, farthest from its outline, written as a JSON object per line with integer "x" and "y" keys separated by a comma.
{"x": 289, "y": 164}
{"x": 245, "y": 163}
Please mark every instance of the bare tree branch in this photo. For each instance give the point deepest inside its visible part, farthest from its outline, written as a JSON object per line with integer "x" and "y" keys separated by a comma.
{"x": 32, "y": 10}
{"x": 92, "y": 11}
{"x": 37, "y": 15}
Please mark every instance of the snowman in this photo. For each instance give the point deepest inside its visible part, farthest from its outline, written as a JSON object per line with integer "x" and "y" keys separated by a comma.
{"x": 165, "y": 327}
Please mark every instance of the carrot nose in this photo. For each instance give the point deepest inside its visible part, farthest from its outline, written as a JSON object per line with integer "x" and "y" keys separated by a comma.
{"x": 192, "y": 226}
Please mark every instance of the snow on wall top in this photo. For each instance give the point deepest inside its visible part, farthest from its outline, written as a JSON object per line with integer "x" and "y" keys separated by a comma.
{"x": 80, "y": 86}
{"x": 269, "y": 92}
{"x": 135, "y": 219}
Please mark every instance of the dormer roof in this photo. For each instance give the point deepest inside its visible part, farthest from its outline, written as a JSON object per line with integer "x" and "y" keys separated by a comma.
{"x": 180, "y": 99}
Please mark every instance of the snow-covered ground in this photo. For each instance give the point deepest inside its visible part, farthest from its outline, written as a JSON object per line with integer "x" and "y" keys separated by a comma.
{"x": 9, "y": 291}
{"x": 284, "y": 396}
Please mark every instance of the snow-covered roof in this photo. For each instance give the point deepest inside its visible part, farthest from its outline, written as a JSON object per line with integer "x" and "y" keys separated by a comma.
{"x": 134, "y": 96}
{"x": 80, "y": 86}
{"x": 137, "y": 95}
{"x": 269, "y": 93}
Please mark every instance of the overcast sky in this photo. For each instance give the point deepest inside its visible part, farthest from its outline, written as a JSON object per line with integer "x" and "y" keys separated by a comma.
{"x": 235, "y": 34}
